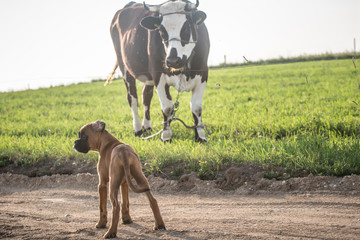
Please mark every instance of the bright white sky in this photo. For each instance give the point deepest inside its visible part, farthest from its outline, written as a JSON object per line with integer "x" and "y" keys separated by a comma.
{"x": 51, "y": 42}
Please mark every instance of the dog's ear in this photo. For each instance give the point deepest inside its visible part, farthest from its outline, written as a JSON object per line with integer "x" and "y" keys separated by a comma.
{"x": 98, "y": 126}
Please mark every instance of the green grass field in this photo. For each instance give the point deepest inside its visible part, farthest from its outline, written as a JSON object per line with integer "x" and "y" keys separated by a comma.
{"x": 300, "y": 117}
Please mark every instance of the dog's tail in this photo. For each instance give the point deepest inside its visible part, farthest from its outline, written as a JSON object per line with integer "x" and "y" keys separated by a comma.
{"x": 127, "y": 175}
{"x": 110, "y": 78}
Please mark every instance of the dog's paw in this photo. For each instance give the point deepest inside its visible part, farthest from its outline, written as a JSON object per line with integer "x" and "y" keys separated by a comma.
{"x": 160, "y": 227}
{"x": 127, "y": 221}
{"x": 101, "y": 225}
{"x": 110, "y": 235}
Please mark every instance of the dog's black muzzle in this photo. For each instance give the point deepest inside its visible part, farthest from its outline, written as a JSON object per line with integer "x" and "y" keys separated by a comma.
{"x": 81, "y": 146}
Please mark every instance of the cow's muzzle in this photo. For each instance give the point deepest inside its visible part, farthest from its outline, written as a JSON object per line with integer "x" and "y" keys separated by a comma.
{"x": 173, "y": 61}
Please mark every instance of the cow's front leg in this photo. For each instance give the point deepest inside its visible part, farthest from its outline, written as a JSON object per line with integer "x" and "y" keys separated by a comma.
{"x": 132, "y": 98}
{"x": 147, "y": 95}
{"x": 167, "y": 108}
{"x": 196, "y": 109}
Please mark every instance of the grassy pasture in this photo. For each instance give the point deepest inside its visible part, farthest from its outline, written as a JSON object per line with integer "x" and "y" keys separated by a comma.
{"x": 301, "y": 117}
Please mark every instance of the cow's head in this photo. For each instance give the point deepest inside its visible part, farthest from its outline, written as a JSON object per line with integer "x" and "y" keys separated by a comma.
{"x": 177, "y": 22}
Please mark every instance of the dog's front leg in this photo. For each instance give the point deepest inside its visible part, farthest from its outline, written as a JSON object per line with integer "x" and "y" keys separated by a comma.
{"x": 103, "y": 200}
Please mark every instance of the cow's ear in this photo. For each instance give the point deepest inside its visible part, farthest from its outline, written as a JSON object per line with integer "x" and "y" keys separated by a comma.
{"x": 151, "y": 23}
{"x": 198, "y": 17}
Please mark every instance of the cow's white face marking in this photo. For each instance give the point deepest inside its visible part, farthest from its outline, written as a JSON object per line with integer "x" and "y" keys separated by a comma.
{"x": 173, "y": 25}
{"x": 177, "y": 23}
{"x": 176, "y": 31}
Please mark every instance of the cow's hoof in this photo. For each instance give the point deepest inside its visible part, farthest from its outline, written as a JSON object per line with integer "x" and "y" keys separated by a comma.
{"x": 201, "y": 140}
{"x": 167, "y": 141}
{"x": 166, "y": 135}
{"x": 139, "y": 133}
{"x": 147, "y": 130}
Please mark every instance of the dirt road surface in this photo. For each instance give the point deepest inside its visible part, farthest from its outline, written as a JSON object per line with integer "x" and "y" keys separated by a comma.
{"x": 66, "y": 207}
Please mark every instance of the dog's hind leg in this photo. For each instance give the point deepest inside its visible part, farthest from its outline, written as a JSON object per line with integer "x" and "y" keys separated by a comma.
{"x": 115, "y": 180}
{"x": 125, "y": 212}
{"x": 143, "y": 183}
{"x": 159, "y": 223}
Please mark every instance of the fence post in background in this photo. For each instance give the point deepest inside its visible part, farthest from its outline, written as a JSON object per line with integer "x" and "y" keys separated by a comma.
{"x": 245, "y": 59}
{"x": 355, "y": 48}
{"x": 354, "y": 57}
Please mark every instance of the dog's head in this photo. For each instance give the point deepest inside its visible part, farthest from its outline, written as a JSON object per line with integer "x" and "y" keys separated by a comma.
{"x": 89, "y": 137}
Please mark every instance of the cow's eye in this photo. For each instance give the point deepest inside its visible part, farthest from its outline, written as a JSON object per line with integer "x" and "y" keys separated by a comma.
{"x": 185, "y": 33}
{"x": 163, "y": 33}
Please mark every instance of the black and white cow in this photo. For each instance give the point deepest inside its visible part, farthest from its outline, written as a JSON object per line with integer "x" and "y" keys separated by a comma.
{"x": 162, "y": 45}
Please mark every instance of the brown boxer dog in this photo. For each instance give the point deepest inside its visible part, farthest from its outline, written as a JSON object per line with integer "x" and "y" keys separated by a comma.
{"x": 119, "y": 163}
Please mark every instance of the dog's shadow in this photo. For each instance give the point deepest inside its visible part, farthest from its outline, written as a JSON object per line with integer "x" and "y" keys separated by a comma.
{"x": 142, "y": 232}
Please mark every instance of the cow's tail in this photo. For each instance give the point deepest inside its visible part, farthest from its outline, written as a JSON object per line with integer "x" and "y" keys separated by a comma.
{"x": 110, "y": 78}
{"x": 128, "y": 178}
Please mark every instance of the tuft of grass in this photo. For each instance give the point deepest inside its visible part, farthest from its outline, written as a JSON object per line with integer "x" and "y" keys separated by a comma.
{"x": 297, "y": 117}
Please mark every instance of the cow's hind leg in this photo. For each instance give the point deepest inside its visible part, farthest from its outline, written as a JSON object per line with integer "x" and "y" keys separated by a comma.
{"x": 147, "y": 94}
{"x": 132, "y": 98}
{"x": 196, "y": 109}
{"x": 129, "y": 82}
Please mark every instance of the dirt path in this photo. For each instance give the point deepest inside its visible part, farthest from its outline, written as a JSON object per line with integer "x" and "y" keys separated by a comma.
{"x": 66, "y": 207}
